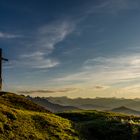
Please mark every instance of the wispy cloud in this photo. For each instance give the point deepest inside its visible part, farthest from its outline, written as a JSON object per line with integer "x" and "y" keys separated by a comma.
{"x": 48, "y": 91}
{"x": 41, "y": 46}
{"x": 50, "y": 35}
{"x": 4, "y": 35}
{"x": 120, "y": 4}
{"x": 100, "y": 87}
{"x": 113, "y": 6}
{"x": 125, "y": 61}
{"x": 47, "y": 36}
{"x": 103, "y": 70}
{"x": 117, "y": 69}
{"x": 35, "y": 60}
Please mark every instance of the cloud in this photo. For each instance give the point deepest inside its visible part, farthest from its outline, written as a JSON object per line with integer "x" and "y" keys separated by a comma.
{"x": 105, "y": 70}
{"x": 121, "y": 4}
{"x": 113, "y": 6}
{"x": 100, "y": 87}
{"x": 125, "y": 61}
{"x": 46, "y": 37}
{"x": 35, "y": 60}
{"x": 118, "y": 68}
{"x": 8, "y": 36}
{"x": 135, "y": 88}
{"x": 48, "y": 91}
{"x": 38, "y": 50}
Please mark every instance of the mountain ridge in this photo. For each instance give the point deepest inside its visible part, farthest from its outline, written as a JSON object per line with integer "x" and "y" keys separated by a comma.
{"x": 97, "y": 103}
{"x": 51, "y": 106}
{"x": 125, "y": 110}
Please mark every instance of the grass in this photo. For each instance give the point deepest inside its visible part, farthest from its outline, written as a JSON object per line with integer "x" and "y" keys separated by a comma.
{"x": 21, "y": 119}
{"x": 19, "y": 102}
{"x": 104, "y": 125}
{"x": 27, "y": 121}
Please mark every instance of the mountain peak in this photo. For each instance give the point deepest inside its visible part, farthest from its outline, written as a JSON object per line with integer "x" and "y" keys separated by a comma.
{"x": 126, "y": 110}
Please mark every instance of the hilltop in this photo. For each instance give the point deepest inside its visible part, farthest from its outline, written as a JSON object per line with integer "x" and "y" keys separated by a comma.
{"x": 19, "y": 102}
{"x": 22, "y": 119}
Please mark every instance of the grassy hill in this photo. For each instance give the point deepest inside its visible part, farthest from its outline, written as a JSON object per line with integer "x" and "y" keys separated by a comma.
{"x": 21, "y": 119}
{"x": 96, "y": 125}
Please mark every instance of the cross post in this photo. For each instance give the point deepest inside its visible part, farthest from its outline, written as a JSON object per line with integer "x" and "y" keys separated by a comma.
{"x": 1, "y": 59}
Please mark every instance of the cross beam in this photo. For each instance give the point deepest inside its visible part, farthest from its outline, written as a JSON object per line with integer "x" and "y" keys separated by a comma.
{"x": 1, "y": 59}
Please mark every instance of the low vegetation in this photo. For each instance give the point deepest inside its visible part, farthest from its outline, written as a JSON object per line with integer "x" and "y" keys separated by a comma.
{"x": 95, "y": 125}
{"x": 20, "y": 119}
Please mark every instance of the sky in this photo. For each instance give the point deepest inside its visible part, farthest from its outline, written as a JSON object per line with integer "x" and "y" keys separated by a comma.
{"x": 74, "y": 48}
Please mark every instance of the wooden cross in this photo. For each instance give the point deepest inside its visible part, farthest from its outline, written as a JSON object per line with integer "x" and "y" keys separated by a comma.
{"x": 1, "y": 59}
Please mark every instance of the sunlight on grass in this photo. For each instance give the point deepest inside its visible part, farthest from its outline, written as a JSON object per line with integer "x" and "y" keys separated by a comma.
{"x": 20, "y": 122}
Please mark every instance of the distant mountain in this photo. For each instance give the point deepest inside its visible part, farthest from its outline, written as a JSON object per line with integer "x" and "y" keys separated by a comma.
{"x": 126, "y": 110}
{"x": 51, "y": 106}
{"x": 96, "y": 103}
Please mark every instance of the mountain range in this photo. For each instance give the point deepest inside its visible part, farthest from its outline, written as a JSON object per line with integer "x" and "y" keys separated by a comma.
{"x": 53, "y": 107}
{"x": 65, "y": 104}
{"x": 96, "y": 103}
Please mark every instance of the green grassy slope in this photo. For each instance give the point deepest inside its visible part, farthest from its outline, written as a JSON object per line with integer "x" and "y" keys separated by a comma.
{"x": 95, "y": 125}
{"x": 20, "y": 119}
{"x": 19, "y": 102}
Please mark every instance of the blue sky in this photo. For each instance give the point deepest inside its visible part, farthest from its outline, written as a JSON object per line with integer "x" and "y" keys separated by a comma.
{"x": 73, "y": 48}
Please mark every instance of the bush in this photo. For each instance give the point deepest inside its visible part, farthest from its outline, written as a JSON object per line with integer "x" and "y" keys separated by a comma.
{"x": 10, "y": 115}
{"x": 7, "y": 127}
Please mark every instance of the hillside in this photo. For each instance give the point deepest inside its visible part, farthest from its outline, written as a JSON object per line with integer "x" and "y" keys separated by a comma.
{"x": 51, "y": 106}
{"x": 125, "y": 110}
{"x": 21, "y": 119}
{"x": 96, "y": 125}
{"x": 19, "y": 102}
